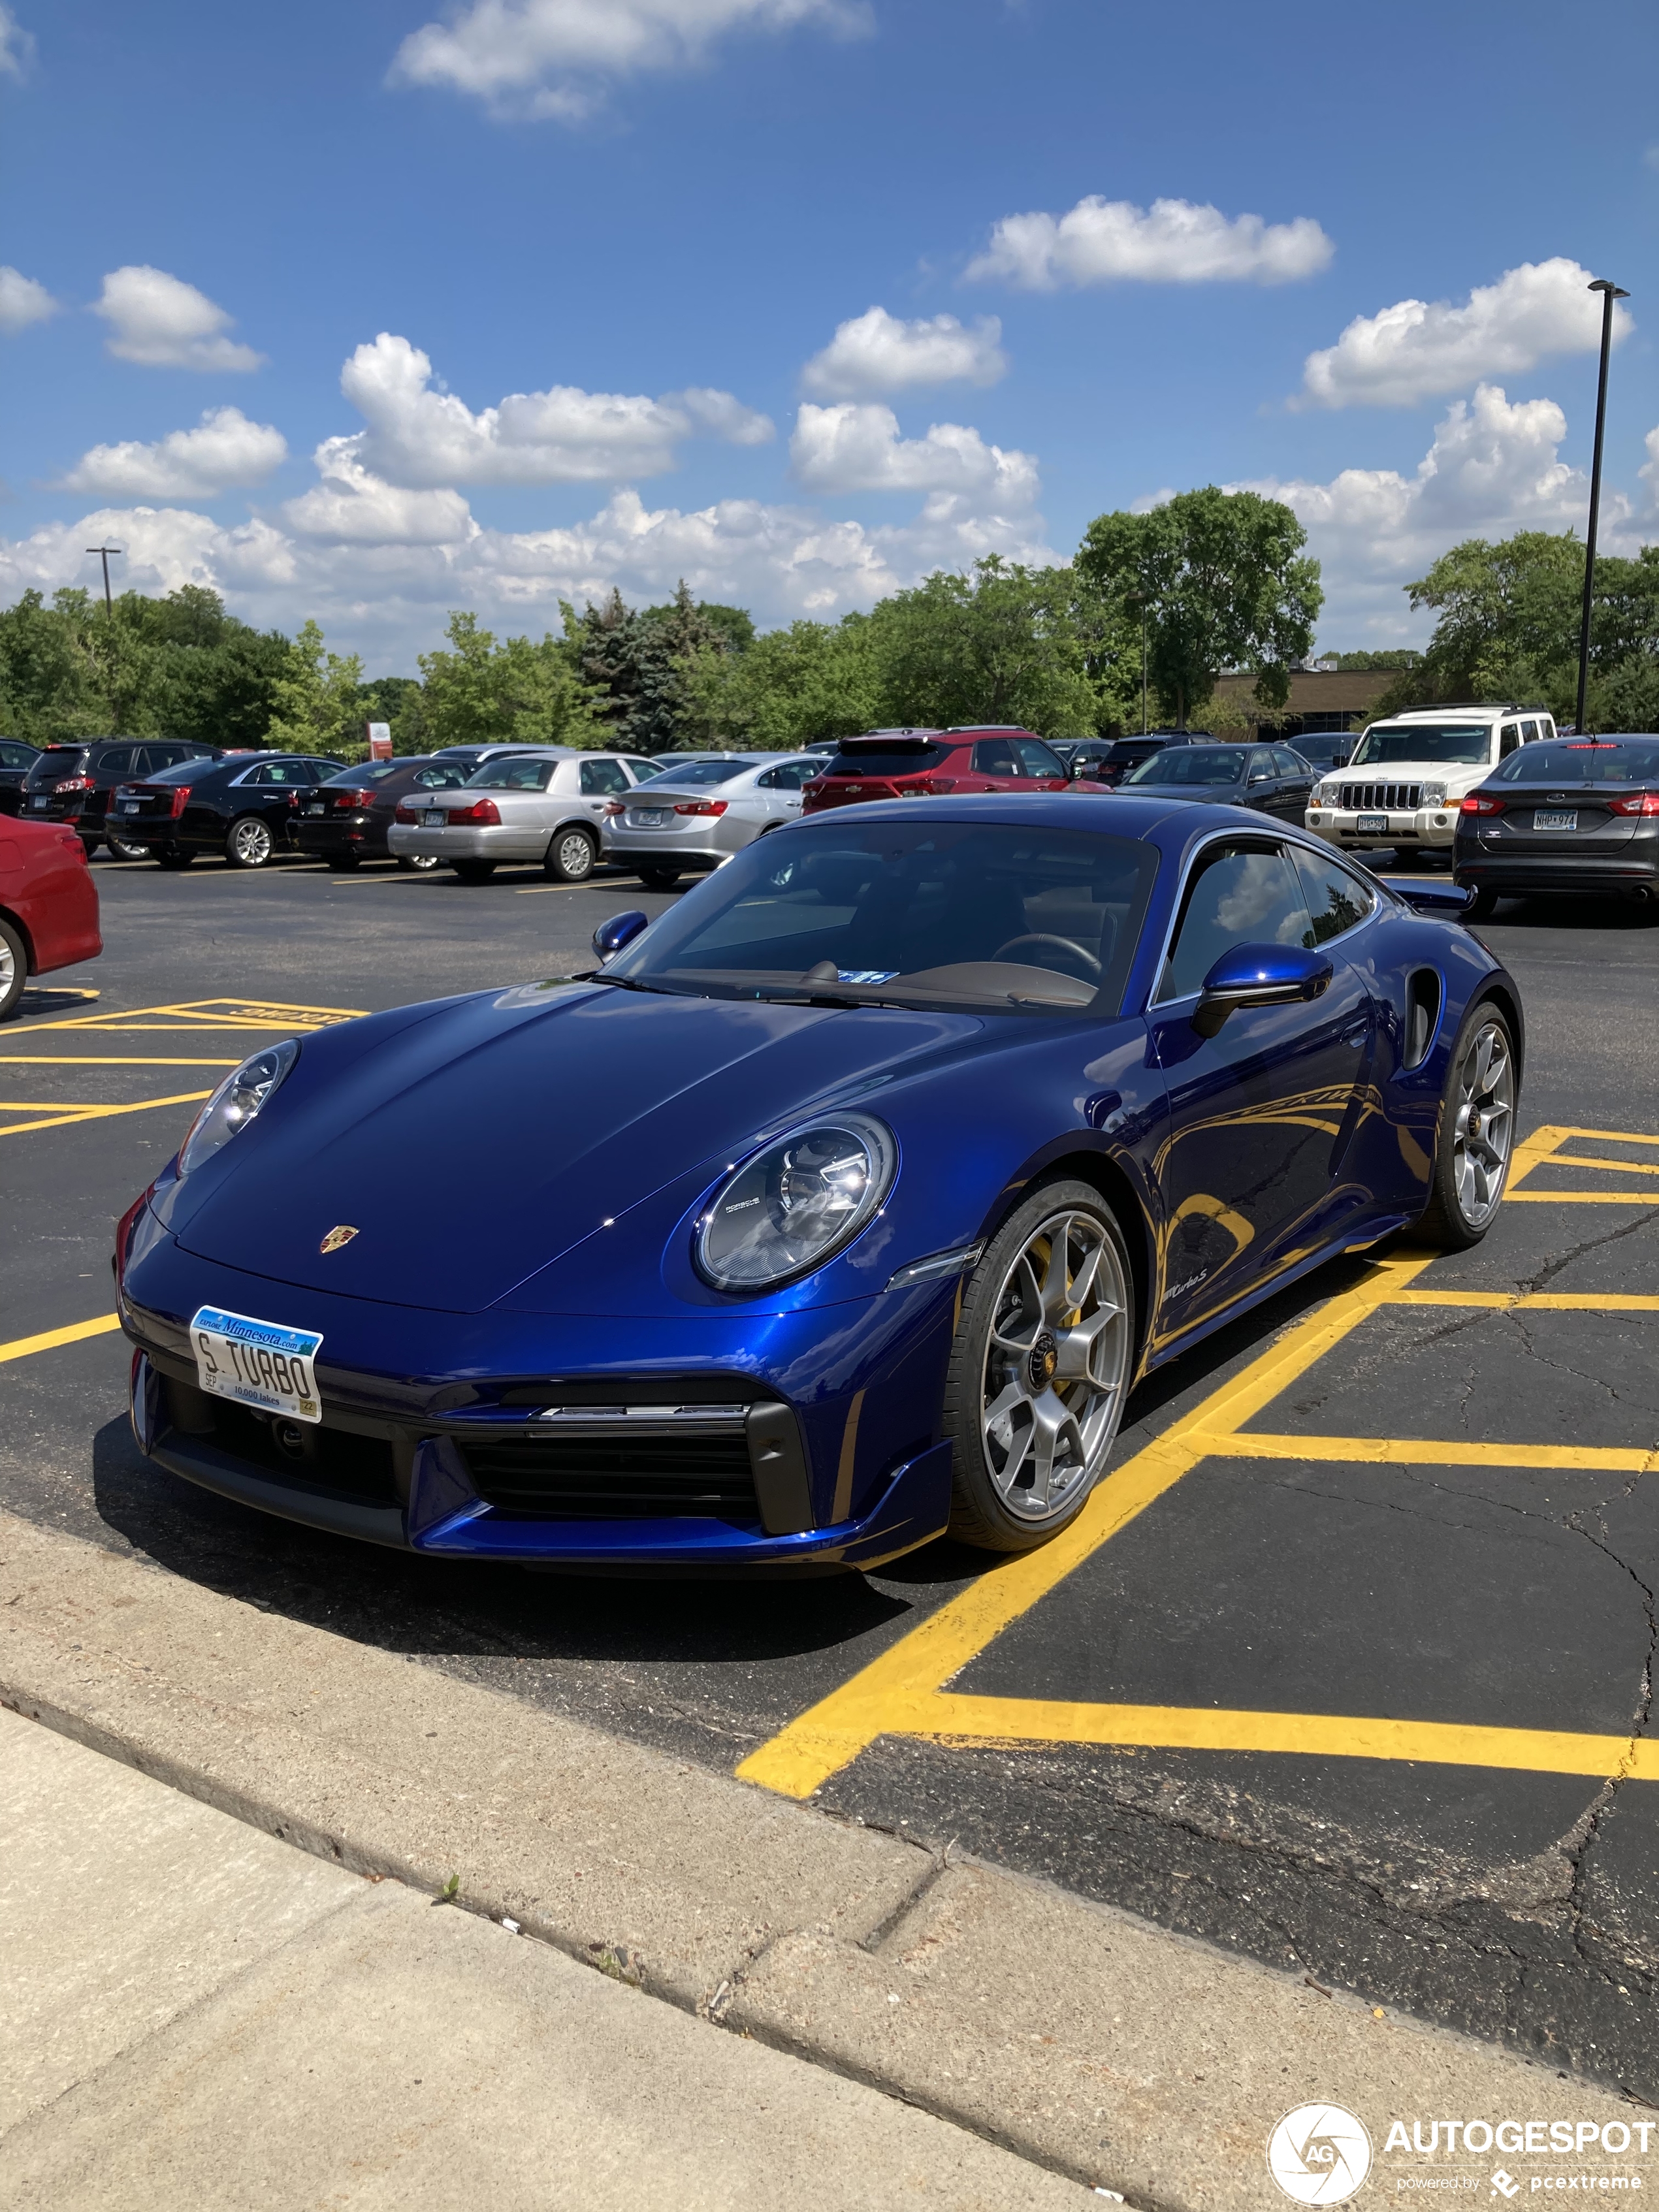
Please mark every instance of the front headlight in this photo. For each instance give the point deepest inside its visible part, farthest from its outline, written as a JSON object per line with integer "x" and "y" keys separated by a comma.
{"x": 235, "y": 1103}
{"x": 1325, "y": 795}
{"x": 797, "y": 1201}
{"x": 1433, "y": 794}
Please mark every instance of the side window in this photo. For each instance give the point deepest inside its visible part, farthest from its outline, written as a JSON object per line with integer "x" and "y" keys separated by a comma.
{"x": 1038, "y": 759}
{"x": 602, "y": 778}
{"x": 1336, "y": 898}
{"x": 1528, "y": 733}
{"x": 1262, "y": 766}
{"x": 1239, "y": 895}
{"x": 1546, "y": 728}
{"x": 117, "y": 761}
{"x": 996, "y": 757}
{"x": 774, "y": 780}
{"x": 1286, "y": 763}
{"x": 1508, "y": 738}
{"x": 641, "y": 768}
{"x": 15, "y": 756}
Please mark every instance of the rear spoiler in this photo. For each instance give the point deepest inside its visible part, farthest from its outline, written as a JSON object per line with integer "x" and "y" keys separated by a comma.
{"x": 1448, "y": 900}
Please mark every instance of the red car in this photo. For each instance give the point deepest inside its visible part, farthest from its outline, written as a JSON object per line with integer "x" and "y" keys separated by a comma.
{"x": 927, "y": 763}
{"x": 48, "y": 905}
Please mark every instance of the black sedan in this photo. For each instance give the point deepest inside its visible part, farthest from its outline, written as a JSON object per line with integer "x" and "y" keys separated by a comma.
{"x": 1573, "y": 814}
{"x": 1109, "y": 760}
{"x": 344, "y": 821}
{"x": 16, "y": 759}
{"x": 1270, "y": 779}
{"x": 238, "y": 806}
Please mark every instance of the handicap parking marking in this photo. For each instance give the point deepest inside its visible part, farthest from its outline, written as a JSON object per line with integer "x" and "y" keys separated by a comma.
{"x": 1544, "y": 1151}
{"x": 904, "y": 1692}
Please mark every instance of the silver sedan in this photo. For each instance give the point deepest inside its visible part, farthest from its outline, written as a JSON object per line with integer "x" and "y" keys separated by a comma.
{"x": 701, "y": 811}
{"x": 547, "y": 806}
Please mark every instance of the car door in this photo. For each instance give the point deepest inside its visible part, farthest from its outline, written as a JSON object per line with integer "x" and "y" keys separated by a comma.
{"x": 779, "y": 789}
{"x": 1259, "y": 1112}
{"x": 1261, "y": 789}
{"x": 998, "y": 766}
{"x": 1047, "y": 768}
{"x": 600, "y": 781}
{"x": 1295, "y": 784}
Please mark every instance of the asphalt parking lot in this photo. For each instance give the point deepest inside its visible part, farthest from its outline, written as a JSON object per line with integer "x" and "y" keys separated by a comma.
{"x": 1348, "y": 1664}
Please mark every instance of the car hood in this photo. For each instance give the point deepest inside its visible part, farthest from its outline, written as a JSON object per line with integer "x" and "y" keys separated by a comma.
{"x": 1414, "y": 772}
{"x": 472, "y": 1148}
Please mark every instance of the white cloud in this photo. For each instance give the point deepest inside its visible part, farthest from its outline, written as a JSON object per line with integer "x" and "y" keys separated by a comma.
{"x": 419, "y": 435}
{"x": 1417, "y": 350}
{"x": 1174, "y": 242}
{"x": 351, "y": 507}
{"x": 556, "y": 58}
{"x": 1494, "y": 468}
{"x": 225, "y": 451}
{"x": 16, "y": 45}
{"x": 851, "y": 448}
{"x": 22, "y": 302}
{"x": 162, "y": 322}
{"x": 876, "y": 352}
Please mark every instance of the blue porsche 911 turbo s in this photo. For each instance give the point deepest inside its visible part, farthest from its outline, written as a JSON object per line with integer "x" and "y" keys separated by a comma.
{"x": 842, "y": 1205}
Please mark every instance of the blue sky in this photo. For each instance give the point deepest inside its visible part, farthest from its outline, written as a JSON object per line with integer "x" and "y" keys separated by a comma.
{"x": 678, "y": 203}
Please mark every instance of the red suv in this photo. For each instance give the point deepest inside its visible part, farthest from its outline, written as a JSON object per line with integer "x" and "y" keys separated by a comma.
{"x": 927, "y": 763}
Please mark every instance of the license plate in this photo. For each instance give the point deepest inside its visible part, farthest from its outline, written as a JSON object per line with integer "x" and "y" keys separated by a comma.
{"x": 257, "y": 1363}
{"x": 1373, "y": 824}
{"x": 41, "y": 802}
{"x": 1554, "y": 821}
{"x": 313, "y": 809}
{"x": 651, "y": 817}
{"x": 433, "y": 819}
{"x": 129, "y": 806}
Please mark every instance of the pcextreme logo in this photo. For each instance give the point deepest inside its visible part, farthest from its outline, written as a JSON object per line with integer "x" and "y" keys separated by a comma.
{"x": 1319, "y": 2154}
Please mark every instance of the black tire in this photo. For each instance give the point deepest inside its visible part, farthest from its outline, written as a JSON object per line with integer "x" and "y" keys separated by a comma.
{"x": 13, "y": 971}
{"x": 249, "y": 843}
{"x": 988, "y": 1469}
{"x": 175, "y": 856}
{"x": 418, "y": 863}
{"x": 122, "y": 849}
{"x": 474, "y": 871}
{"x": 572, "y": 855}
{"x": 343, "y": 864}
{"x": 1465, "y": 1189}
{"x": 90, "y": 846}
{"x": 658, "y": 879}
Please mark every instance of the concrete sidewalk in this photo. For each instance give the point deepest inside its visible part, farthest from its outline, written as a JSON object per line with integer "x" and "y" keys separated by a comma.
{"x": 1092, "y": 2045}
{"x": 197, "y": 2014}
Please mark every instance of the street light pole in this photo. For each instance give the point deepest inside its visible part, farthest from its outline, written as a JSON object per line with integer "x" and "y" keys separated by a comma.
{"x": 104, "y": 552}
{"x": 1609, "y": 292}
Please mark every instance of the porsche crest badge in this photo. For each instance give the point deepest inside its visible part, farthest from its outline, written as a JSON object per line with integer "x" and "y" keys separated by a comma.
{"x": 336, "y": 1237}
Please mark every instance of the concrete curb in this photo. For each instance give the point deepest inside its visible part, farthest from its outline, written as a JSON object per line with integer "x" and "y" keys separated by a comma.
{"x": 1091, "y": 2043}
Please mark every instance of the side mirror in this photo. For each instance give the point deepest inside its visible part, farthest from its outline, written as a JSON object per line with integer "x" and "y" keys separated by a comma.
{"x": 622, "y": 929}
{"x": 1260, "y": 976}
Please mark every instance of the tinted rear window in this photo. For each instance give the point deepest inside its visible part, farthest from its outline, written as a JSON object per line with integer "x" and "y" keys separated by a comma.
{"x": 371, "y": 772}
{"x": 703, "y": 772}
{"x": 56, "y": 761}
{"x": 1622, "y": 760}
{"x": 905, "y": 760}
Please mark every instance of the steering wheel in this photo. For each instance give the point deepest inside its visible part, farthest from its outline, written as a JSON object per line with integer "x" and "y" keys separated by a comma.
{"x": 1041, "y": 937}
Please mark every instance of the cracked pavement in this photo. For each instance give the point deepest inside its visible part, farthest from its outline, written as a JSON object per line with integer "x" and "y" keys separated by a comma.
{"x": 1519, "y": 1906}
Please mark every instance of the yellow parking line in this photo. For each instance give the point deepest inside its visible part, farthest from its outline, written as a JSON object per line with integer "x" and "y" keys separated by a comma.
{"x": 1551, "y": 1301}
{"x": 49, "y": 1339}
{"x": 1423, "y": 1451}
{"x": 1578, "y": 1198}
{"x": 104, "y": 1113}
{"x": 881, "y": 1696}
{"x": 103, "y": 1060}
{"x": 1609, "y": 1136}
{"x": 1581, "y": 1160}
{"x": 1317, "y": 1735}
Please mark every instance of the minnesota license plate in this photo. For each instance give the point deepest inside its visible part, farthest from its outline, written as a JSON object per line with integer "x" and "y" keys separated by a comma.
{"x": 41, "y": 802}
{"x": 651, "y": 817}
{"x": 1541, "y": 820}
{"x": 129, "y": 806}
{"x": 257, "y": 1363}
{"x": 433, "y": 819}
{"x": 313, "y": 809}
{"x": 1373, "y": 824}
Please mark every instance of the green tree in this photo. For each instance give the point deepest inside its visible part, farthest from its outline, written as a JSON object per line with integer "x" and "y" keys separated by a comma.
{"x": 1005, "y": 644}
{"x": 650, "y": 669}
{"x": 314, "y": 700}
{"x": 791, "y": 686}
{"x": 517, "y": 692}
{"x": 1222, "y": 582}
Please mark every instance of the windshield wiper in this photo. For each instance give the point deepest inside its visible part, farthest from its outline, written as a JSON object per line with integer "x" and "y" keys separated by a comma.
{"x": 631, "y": 983}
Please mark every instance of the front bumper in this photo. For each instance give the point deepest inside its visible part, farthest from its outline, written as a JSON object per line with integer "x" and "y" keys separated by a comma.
{"x": 1432, "y": 827}
{"x": 437, "y": 1434}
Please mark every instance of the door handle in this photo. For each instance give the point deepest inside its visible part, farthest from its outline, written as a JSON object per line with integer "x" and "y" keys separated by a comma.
{"x": 1356, "y": 1030}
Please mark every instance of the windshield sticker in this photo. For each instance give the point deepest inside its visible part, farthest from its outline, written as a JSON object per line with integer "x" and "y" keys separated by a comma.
{"x": 866, "y": 974}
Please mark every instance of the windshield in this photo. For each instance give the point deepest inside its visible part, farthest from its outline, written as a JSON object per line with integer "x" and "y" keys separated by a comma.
{"x": 1614, "y": 760}
{"x": 513, "y": 775}
{"x": 1216, "y": 764}
{"x": 1459, "y": 745}
{"x": 983, "y": 914}
{"x": 700, "y": 772}
{"x": 901, "y": 760}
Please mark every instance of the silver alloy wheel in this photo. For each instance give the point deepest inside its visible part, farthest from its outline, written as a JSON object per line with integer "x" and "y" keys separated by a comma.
{"x": 250, "y": 841}
{"x": 122, "y": 848}
{"x": 422, "y": 863}
{"x": 1485, "y": 1124}
{"x": 575, "y": 855}
{"x": 1056, "y": 1365}
{"x": 8, "y": 971}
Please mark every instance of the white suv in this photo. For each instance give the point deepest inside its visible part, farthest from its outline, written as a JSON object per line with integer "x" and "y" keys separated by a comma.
{"x": 1406, "y": 777}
